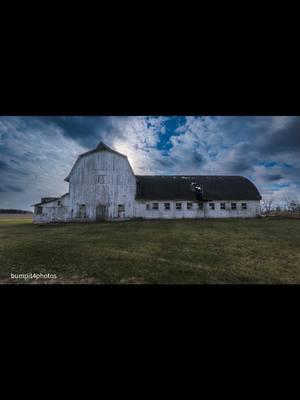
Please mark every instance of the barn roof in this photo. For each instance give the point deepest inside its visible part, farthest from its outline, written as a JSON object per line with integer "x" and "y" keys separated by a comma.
{"x": 155, "y": 187}
{"x": 102, "y": 147}
{"x": 46, "y": 200}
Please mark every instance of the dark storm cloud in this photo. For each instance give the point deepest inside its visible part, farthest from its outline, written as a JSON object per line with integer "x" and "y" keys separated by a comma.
{"x": 239, "y": 166}
{"x": 3, "y": 165}
{"x": 196, "y": 158}
{"x": 284, "y": 139}
{"x": 7, "y": 168}
{"x": 12, "y": 188}
{"x": 86, "y": 130}
{"x": 272, "y": 177}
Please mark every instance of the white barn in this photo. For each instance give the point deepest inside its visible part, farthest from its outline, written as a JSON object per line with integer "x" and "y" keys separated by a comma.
{"x": 103, "y": 186}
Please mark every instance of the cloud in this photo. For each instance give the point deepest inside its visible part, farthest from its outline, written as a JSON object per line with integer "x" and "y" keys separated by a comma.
{"x": 3, "y": 165}
{"x": 272, "y": 177}
{"x": 12, "y": 188}
{"x": 37, "y": 153}
{"x": 34, "y": 162}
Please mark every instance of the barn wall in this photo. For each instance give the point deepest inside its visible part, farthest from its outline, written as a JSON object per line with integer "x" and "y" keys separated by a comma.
{"x": 253, "y": 210}
{"x": 118, "y": 185}
{"x": 53, "y": 212}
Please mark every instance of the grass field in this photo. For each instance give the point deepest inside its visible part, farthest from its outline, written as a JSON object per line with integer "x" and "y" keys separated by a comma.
{"x": 264, "y": 250}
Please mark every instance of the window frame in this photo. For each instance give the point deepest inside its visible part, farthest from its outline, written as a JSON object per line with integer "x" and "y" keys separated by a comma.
{"x": 39, "y": 210}
{"x": 155, "y": 208}
{"x": 189, "y": 206}
{"x": 121, "y": 208}
{"x": 167, "y": 208}
{"x": 244, "y": 206}
{"x": 178, "y": 206}
{"x": 234, "y": 206}
{"x": 200, "y": 205}
{"x": 221, "y": 206}
{"x": 99, "y": 180}
{"x": 211, "y": 206}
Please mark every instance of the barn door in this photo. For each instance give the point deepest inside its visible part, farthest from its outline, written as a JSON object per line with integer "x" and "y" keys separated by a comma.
{"x": 100, "y": 213}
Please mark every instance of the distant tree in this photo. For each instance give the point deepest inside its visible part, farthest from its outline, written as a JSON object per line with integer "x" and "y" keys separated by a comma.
{"x": 267, "y": 205}
{"x": 292, "y": 204}
{"x": 13, "y": 211}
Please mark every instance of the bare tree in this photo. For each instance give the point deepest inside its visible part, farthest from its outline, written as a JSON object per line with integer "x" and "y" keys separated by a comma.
{"x": 291, "y": 204}
{"x": 267, "y": 205}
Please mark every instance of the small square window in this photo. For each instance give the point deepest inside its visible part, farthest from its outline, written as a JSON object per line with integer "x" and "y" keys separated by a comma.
{"x": 178, "y": 206}
{"x": 200, "y": 206}
{"x": 233, "y": 206}
{"x": 211, "y": 206}
{"x": 244, "y": 206}
{"x": 100, "y": 179}
{"x": 121, "y": 208}
{"x": 147, "y": 206}
{"x": 155, "y": 206}
{"x": 167, "y": 206}
{"x": 222, "y": 206}
{"x": 39, "y": 210}
{"x": 189, "y": 206}
{"x": 59, "y": 203}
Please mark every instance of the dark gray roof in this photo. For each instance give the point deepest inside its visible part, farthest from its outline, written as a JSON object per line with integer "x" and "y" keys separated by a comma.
{"x": 50, "y": 199}
{"x": 179, "y": 187}
{"x": 45, "y": 202}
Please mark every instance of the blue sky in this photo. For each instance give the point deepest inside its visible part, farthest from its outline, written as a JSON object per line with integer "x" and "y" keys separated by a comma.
{"x": 37, "y": 153}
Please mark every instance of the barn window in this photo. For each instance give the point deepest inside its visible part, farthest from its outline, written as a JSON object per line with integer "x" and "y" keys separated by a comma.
{"x": 82, "y": 211}
{"x": 121, "y": 208}
{"x": 39, "y": 210}
{"x": 222, "y": 206}
{"x": 178, "y": 206}
{"x": 147, "y": 206}
{"x": 189, "y": 206}
{"x": 233, "y": 206}
{"x": 100, "y": 178}
{"x": 155, "y": 206}
{"x": 212, "y": 206}
{"x": 167, "y": 206}
{"x": 244, "y": 206}
{"x": 200, "y": 206}
{"x": 59, "y": 203}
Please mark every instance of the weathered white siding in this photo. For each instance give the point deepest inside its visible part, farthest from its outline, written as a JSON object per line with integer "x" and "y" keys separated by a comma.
{"x": 253, "y": 209}
{"x": 115, "y": 186}
{"x": 53, "y": 211}
{"x": 104, "y": 178}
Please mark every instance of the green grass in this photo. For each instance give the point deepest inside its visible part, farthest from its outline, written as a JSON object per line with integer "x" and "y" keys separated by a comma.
{"x": 264, "y": 250}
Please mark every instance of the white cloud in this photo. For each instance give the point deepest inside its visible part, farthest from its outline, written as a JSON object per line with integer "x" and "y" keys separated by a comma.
{"x": 38, "y": 162}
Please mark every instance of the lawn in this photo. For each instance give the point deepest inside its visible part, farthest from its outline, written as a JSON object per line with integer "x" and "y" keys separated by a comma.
{"x": 263, "y": 250}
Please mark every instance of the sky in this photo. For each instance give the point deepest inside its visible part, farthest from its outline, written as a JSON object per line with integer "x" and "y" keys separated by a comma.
{"x": 37, "y": 153}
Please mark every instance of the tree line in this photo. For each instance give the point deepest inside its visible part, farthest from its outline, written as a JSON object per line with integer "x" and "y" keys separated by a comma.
{"x": 286, "y": 205}
{"x": 13, "y": 211}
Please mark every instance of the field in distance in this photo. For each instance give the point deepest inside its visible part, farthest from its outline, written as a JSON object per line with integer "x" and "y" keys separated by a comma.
{"x": 263, "y": 250}
{"x": 16, "y": 216}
